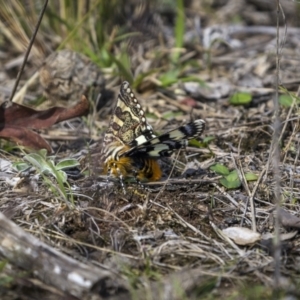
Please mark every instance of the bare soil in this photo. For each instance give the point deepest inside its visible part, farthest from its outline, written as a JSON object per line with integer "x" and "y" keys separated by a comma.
{"x": 164, "y": 239}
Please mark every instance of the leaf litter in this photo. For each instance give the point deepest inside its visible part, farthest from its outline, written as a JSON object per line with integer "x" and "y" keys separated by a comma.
{"x": 165, "y": 232}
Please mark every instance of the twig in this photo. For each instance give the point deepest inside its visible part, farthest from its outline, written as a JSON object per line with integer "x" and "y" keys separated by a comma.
{"x": 276, "y": 154}
{"x": 182, "y": 181}
{"x": 252, "y": 194}
{"x": 246, "y": 187}
{"x": 188, "y": 224}
{"x": 227, "y": 239}
{"x": 51, "y": 266}
{"x": 227, "y": 196}
{"x": 29, "y": 49}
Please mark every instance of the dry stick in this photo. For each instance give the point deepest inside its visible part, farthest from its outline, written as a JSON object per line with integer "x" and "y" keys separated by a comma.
{"x": 182, "y": 107}
{"x": 188, "y": 224}
{"x": 182, "y": 181}
{"x": 164, "y": 186}
{"x": 227, "y": 196}
{"x": 165, "y": 182}
{"x": 79, "y": 243}
{"x": 105, "y": 212}
{"x": 48, "y": 264}
{"x": 246, "y": 187}
{"x": 276, "y": 105}
{"x": 296, "y": 158}
{"x": 250, "y": 199}
{"x": 252, "y": 194}
{"x": 276, "y": 157}
{"x": 17, "y": 97}
{"x": 227, "y": 239}
{"x": 287, "y": 119}
{"x": 29, "y": 49}
{"x": 279, "y": 139}
{"x": 179, "y": 217}
{"x": 295, "y": 128}
{"x": 291, "y": 138}
{"x": 245, "y": 184}
{"x": 295, "y": 131}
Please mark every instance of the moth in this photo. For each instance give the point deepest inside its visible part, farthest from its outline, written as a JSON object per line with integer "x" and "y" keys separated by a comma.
{"x": 131, "y": 149}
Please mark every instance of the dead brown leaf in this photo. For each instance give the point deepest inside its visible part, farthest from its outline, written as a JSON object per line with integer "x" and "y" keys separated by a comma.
{"x": 17, "y": 121}
{"x": 289, "y": 220}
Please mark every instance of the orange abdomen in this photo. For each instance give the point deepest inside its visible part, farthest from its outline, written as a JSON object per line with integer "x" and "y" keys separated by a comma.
{"x": 151, "y": 170}
{"x": 145, "y": 169}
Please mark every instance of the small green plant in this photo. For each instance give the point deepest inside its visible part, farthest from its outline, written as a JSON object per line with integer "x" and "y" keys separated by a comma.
{"x": 240, "y": 98}
{"x": 88, "y": 28}
{"x": 202, "y": 143}
{"x": 46, "y": 166}
{"x": 287, "y": 98}
{"x": 178, "y": 69}
{"x": 230, "y": 179}
{"x": 179, "y": 29}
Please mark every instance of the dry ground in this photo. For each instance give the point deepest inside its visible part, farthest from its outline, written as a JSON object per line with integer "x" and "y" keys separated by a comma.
{"x": 163, "y": 240}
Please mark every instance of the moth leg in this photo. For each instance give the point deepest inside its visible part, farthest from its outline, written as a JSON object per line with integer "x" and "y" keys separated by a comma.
{"x": 108, "y": 174}
{"x": 121, "y": 179}
{"x": 137, "y": 178}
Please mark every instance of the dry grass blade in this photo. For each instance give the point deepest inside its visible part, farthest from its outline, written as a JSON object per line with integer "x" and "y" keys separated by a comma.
{"x": 84, "y": 278}
{"x": 165, "y": 239}
{"x": 29, "y": 49}
{"x": 275, "y": 154}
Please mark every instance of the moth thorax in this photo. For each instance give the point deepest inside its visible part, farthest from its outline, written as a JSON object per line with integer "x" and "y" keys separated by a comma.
{"x": 114, "y": 153}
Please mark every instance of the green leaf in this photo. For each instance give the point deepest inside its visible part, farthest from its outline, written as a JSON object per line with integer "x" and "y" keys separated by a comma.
{"x": 139, "y": 78}
{"x": 230, "y": 184}
{"x": 196, "y": 143}
{"x": 251, "y": 176}
{"x": 240, "y": 98}
{"x": 169, "y": 77}
{"x": 172, "y": 114}
{"x": 179, "y": 29}
{"x": 61, "y": 176}
{"x": 208, "y": 139}
{"x": 220, "y": 169}
{"x": 102, "y": 59}
{"x": 43, "y": 153}
{"x": 232, "y": 176}
{"x": 37, "y": 161}
{"x": 286, "y": 100}
{"x": 51, "y": 168}
{"x": 231, "y": 181}
{"x": 67, "y": 163}
{"x": 123, "y": 66}
{"x": 20, "y": 166}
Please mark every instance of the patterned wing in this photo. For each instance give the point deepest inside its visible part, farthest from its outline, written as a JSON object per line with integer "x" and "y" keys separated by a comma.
{"x": 128, "y": 125}
{"x": 165, "y": 144}
{"x": 131, "y": 149}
